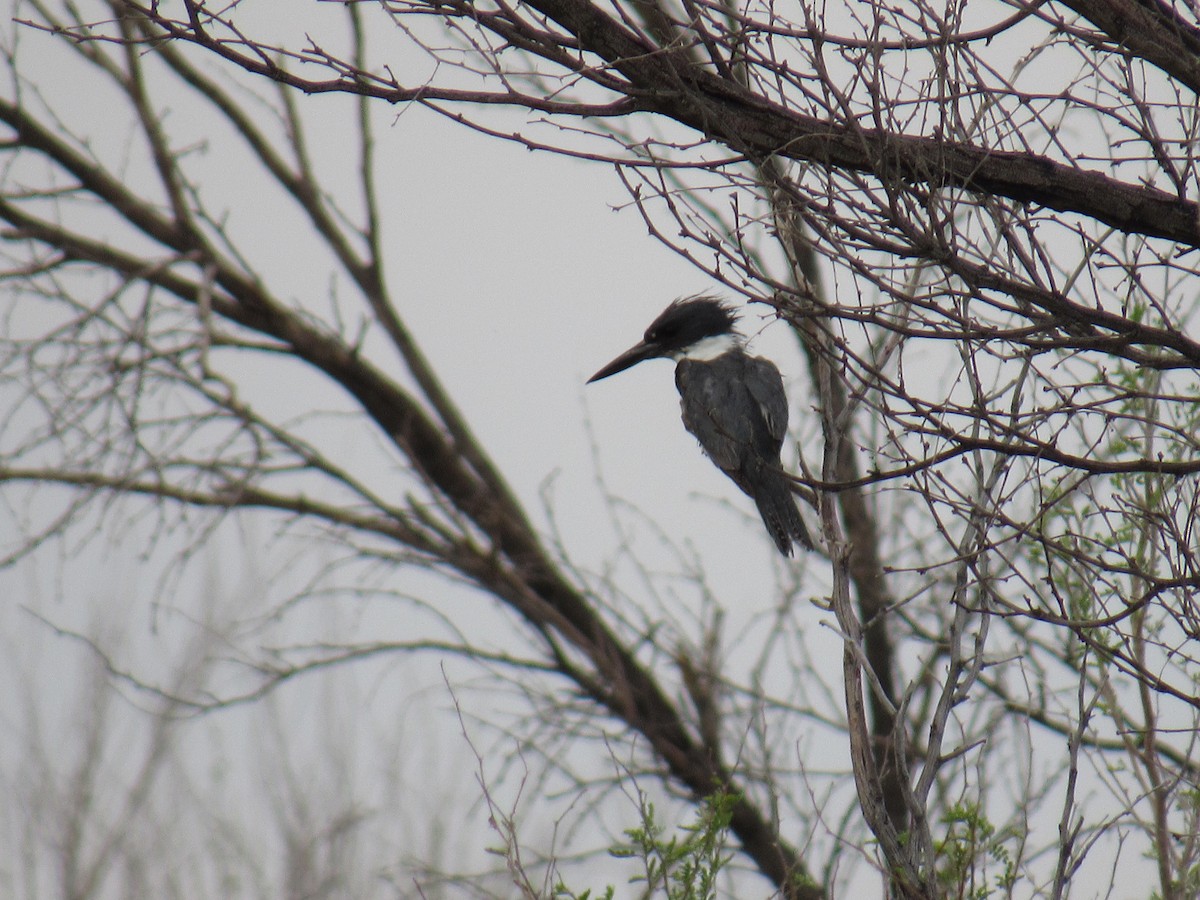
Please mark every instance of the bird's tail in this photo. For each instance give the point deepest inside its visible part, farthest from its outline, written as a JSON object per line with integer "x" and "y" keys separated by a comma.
{"x": 777, "y": 506}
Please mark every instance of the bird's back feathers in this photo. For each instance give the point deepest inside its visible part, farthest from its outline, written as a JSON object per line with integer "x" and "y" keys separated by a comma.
{"x": 736, "y": 407}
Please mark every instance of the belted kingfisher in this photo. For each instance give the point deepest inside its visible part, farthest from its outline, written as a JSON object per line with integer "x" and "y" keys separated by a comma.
{"x": 732, "y": 402}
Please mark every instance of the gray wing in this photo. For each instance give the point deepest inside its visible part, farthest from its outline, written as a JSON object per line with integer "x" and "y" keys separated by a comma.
{"x": 736, "y": 408}
{"x": 767, "y": 388}
{"x": 705, "y": 400}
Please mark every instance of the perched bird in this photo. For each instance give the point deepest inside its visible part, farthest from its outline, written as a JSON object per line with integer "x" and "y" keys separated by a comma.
{"x": 732, "y": 402}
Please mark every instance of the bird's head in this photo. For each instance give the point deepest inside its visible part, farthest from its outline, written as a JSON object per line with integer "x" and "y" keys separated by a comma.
{"x": 700, "y": 327}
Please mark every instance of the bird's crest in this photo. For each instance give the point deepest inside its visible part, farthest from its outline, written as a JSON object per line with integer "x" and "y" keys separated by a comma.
{"x": 703, "y": 315}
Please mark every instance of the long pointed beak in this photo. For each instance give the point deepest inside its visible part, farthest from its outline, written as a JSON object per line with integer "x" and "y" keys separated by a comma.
{"x": 631, "y": 357}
